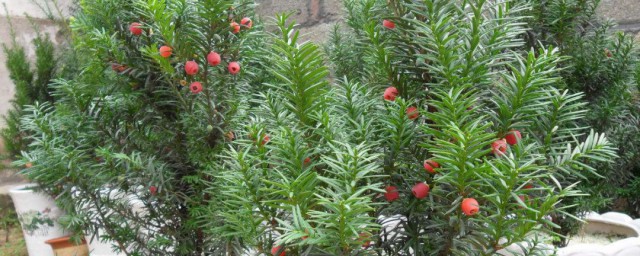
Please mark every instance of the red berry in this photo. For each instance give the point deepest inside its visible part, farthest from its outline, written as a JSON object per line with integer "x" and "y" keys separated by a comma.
{"x": 528, "y": 186}
{"x": 275, "y": 249}
{"x": 524, "y": 198}
{"x": 392, "y": 194}
{"x": 307, "y": 160}
{"x": 191, "y": 67}
{"x": 235, "y": 27}
{"x": 234, "y": 68}
{"x": 165, "y": 51}
{"x": 513, "y": 137}
{"x": 430, "y": 165}
{"x": 135, "y": 28}
{"x": 388, "y": 24}
{"x": 499, "y": 147}
{"x": 390, "y": 93}
{"x": 470, "y": 206}
{"x": 412, "y": 113}
{"x": 153, "y": 190}
{"x": 265, "y": 140}
{"x": 608, "y": 53}
{"x": 213, "y": 58}
{"x": 420, "y": 190}
{"x": 365, "y": 238}
{"x": 247, "y": 22}
{"x": 196, "y": 87}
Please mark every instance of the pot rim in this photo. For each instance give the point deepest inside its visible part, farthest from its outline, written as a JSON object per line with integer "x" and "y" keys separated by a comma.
{"x": 23, "y": 189}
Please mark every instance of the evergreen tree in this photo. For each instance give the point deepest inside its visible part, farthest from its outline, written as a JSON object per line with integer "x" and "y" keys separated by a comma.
{"x": 472, "y": 145}
{"x": 126, "y": 149}
{"x": 602, "y": 64}
{"x": 30, "y": 86}
{"x": 440, "y": 135}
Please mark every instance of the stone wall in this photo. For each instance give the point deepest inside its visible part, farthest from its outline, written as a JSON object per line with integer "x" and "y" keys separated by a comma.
{"x": 316, "y": 18}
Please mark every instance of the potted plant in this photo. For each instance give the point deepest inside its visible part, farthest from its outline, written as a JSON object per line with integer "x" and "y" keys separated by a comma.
{"x": 450, "y": 140}
{"x": 38, "y": 215}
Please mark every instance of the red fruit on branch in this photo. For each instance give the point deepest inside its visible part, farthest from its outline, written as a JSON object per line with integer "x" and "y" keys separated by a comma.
{"x": 118, "y": 68}
{"x": 499, "y": 147}
{"x": 165, "y": 51}
{"x": 135, "y": 28}
{"x": 528, "y": 186}
{"x": 191, "y": 67}
{"x": 213, "y": 58}
{"x": 513, "y": 137}
{"x": 195, "y": 87}
{"x": 365, "y": 238}
{"x": 265, "y": 140}
{"x": 388, "y": 24}
{"x": 390, "y": 93}
{"x": 524, "y": 198}
{"x": 235, "y": 27}
{"x": 420, "y": 190}
{"x": 430, "y": 165}
{"x": 276, "y": 249}
{"x": 307, "y": 160}
{"x": 234, "y": 68}
{"x": 412, "y": 113}
{"x": 470, "y": 206}
{"x": 392, "y": 194}
{"x": 247, "y": 22}
{"x": 153, "y": 190}
{"x": 608, "y": 53}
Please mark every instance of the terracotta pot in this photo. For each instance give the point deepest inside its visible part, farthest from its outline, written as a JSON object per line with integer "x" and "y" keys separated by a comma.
{"x": 63, "y": 246}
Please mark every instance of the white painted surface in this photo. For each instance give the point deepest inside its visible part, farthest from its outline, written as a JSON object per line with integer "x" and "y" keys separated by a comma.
{"x": 28, "y": 204}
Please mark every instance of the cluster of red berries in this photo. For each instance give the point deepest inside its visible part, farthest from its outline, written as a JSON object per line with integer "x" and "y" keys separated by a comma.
{"x": 191, "y": 67}
{"x": 469, "y": 206}
{"x": 499, "y": 147}
{"x": 245, "y": 22}
{"x": 391, "y": 93}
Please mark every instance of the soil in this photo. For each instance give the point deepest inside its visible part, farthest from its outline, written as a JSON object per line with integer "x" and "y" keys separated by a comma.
{"x": 11, "y": 240}
{"x": 599, "y": 239}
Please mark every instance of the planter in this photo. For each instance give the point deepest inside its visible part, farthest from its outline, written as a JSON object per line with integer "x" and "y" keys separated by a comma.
{"x": 38, "y": 215}
{"x": 96, "y": 246}
{"x": 609, "y": 234}
{"x": 63, "y": 246}
{"x": 609, "y": 224}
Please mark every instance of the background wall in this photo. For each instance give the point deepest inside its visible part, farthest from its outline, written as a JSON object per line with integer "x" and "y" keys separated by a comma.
{"x": 316, "y": 19}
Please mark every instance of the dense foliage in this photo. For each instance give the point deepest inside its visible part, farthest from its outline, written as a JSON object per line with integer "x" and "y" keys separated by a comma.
{"x": 455, "y": 83}
{"x": 126, "y": 146}
{"x": 30, "y": 86}
{"x": 425, "y": 129}
{"x": 603, "y": 66}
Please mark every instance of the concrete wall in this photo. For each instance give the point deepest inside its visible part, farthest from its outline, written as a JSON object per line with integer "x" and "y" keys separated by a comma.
{"x": 25, "y": 31}
{"x": 316, "y": 19}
